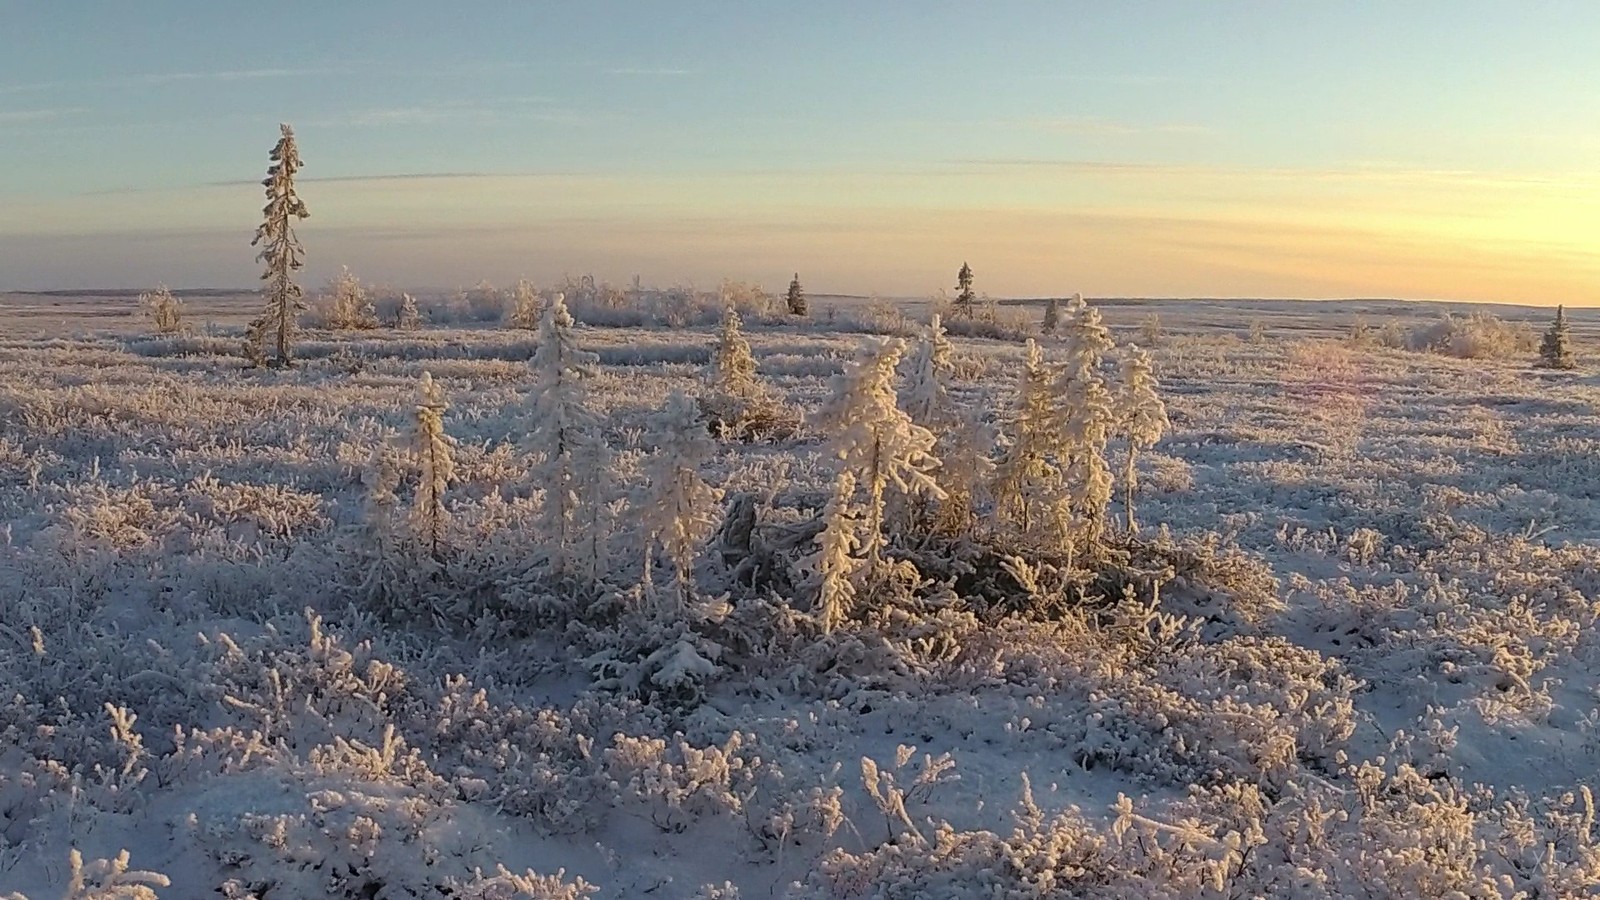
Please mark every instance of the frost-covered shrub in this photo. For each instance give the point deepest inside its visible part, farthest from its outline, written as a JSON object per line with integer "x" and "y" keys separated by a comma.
{"x": 346, "y": 304}
{"x": 107, "y": 879}
{"x": 164, "y": 311}
{"x": 407, "y": 317}
{"x": 678, "y": 783}
{"x": 524, "y": 312}
{"x": 1478, "y": 335}
{"x": 1004, "y": 323}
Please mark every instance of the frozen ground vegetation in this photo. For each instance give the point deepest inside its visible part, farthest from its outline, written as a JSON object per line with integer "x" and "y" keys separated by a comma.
{"x": 681, "y": 595}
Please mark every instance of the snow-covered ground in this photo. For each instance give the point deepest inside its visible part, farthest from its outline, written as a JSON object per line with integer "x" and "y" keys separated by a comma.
{"x": 1374, "y": 676}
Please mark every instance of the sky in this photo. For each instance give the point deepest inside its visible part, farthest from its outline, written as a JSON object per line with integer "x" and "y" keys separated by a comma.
{"x": 1393, "y": 148}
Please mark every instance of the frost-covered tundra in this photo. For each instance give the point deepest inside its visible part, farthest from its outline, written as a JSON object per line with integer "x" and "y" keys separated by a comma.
{"x": 282, "y": 254}
{"x": 1319, "y": 677}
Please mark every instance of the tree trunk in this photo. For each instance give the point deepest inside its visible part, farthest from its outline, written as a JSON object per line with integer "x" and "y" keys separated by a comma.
{"x": 1127, "y": 486}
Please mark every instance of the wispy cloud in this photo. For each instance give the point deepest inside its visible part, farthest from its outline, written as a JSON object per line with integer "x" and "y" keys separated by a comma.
{"x": 23, "y": 116}
{"x": 401, "y": 176}
{"x": 234, "y": 75}
{"x": 1365, "y": 172}
{"x": 1096, "y": 127}
{"x": 412, "y": 115}
{"x": 346, "y": 179}
{"x": 482, "y": 112}
{"x": 649, "y": 72}
{"x": 155, "y": 79}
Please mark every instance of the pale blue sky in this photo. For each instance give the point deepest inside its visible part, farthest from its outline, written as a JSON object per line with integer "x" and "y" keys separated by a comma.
{"x": 1067, "y": 146}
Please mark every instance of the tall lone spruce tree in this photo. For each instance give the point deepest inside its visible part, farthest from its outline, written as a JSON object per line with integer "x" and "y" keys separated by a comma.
{"x": 797, "y": 297}
{"x": 281, "y": 251}
{"x": 963, "y": 304}
{"x": 1556, "y": 350}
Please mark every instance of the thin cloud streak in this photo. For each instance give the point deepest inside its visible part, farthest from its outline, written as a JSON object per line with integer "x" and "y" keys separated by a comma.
{"x": 152, "y": 79}
{"x": 1096, "y": 127}
{"x": 1371, "y": 172}
{"x": 649, "y": 72}
{"x": 23, "y": 116}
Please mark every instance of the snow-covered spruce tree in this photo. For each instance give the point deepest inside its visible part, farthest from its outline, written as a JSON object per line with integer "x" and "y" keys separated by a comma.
{"x": 383, "y": 546}
{"x": 875, "y": 440}
{"x": 1142, "y": 417}
{"x": 963, "y": 305}
{"x": 835, "y": 561}
{"x": 1026, "y": 479}
{"x": 408, "y": 318}
{"x": 1555, "y": 352}
{"x": 164, "y": 311}
{"x": 1084, "y": 417}
{"x": 680, "y": 510}
{"x": 1052, "y": 316}
{"x": 1086, "y": 339}
{"x": 733, "y": 369}
{"x": 796, "y": 298}
{"x": 570, "y": 454}
{"x": 281, "y": 251}
{"x": 430, "y": 452}
{"x": 349, "y": 306}
{"x": 925, "y": 397}
{"x": 524, "y": 306}
{"x": 1150, "y": 330}
{"x": 736, "y": 403}
{"x": 961, "y": 444}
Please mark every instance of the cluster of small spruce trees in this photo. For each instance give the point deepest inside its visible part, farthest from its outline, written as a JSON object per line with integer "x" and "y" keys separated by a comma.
{"x": 906, "y": 459}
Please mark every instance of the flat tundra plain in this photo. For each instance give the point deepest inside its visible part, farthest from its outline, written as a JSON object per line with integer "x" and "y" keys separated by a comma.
{"x": 189, "y": 670}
